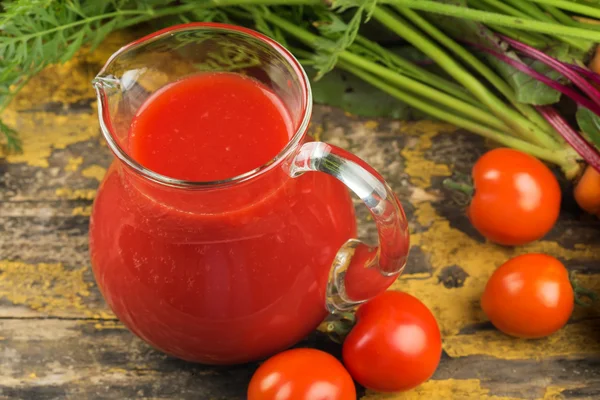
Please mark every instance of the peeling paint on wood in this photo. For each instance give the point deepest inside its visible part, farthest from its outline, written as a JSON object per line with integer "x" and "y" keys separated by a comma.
{"x": 44, "y": 287}
{"x": 94, "y": 171}
{"x": 577, "y": 339}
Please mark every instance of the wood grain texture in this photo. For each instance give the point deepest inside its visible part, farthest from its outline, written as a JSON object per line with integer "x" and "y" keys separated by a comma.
{"x": 58, "y": 340}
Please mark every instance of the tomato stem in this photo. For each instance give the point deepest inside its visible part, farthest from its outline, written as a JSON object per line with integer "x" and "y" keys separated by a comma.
{"x": 338, "y": 329}
{"x": 581, "y": 291}
{"x": 467, "y": 189}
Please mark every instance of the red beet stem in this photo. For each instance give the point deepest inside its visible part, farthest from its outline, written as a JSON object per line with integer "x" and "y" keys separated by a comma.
{"x": 573, "y": 76}
{"x": 566, "y": 90}
{"x": 571, "y": 136}
{"x": 591, "y": 75}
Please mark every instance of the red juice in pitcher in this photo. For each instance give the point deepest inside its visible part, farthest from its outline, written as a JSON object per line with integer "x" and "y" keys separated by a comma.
{"x": 210, "y": 127}
{"x": 234, "y": 283}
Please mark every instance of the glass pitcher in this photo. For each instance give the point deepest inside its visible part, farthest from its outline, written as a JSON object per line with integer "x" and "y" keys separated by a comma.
{"x": 235, "y": 270}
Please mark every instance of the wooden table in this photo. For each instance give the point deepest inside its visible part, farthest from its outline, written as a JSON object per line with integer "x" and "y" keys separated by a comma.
{"x": 58, "y": 340}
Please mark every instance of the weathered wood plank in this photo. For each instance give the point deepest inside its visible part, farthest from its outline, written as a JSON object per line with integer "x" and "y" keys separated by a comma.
{"x": 76, "y": 359}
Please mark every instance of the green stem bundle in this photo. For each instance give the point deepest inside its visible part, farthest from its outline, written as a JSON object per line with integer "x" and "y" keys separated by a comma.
{"x": 526, "y": 24}
{"x": 383, "y": 79}
{"x": 555, "y": 157}
{"x": 418, "y": 73}
{"x": 494, "y": 79}
{"x": 532, "y": 39}
{"x": 523, "y": 127}
{"x": 571, "y": 6}
{"x": 470, "y": 94}
{"x": 401, "y": 81}
{"x": 533, "y": 11}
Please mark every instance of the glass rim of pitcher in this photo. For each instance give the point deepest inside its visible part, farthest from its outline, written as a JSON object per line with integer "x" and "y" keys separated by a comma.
{"x": 292, "y": 144}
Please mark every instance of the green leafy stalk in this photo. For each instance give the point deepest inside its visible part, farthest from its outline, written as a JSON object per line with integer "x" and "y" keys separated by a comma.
{"x": 526, "y": 24}
{"x": 36, "y": 33}
{"x": 505, "y": 8}
{"x": 585, "y": 23}
{"x": 522, "y": 37}
{"x": 558, "y": 15}
{"x": 458, "y": 106}
{"x": 521, "y": 125}
{"x": 534, "y": 11}
{"x": 565, "y": 19}
{"x": 393, "y": 60}
{"x": 534, "y": 39}
{"x": 13, "y": 143}
{"x": 571, "y": 6}
{"x": 530, "y": 9}
{"x": 555, "y": 157}
{"x": 330, "y": 52}
{"x": 497, "y": 82}
{"x": 397, "y": 79}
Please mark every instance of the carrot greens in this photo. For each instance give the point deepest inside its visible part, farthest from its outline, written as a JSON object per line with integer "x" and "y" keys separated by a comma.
{"x": 500, "y": 69}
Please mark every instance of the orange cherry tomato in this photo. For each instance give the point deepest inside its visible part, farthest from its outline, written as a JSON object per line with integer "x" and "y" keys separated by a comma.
{"x": 587, "y": 191}
{"x": 530, "y": 296}
{"x": 517, "y": 198}
{"x": 301, "y": 374}
{"x": 395, "y": 345}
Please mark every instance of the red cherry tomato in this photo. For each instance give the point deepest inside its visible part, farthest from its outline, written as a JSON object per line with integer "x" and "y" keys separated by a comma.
{"x": 301, "y": 374}
{"x": 529, "y": 296}
{"x": 395, "y": 344}
{"x": 517, "y": 198}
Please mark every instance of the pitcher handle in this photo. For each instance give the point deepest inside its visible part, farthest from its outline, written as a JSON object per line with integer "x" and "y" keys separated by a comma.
{"x": 360, "y": 272}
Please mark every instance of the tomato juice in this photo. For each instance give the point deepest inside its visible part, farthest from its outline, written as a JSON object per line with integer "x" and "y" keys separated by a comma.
{"x": 226, "y": 273}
